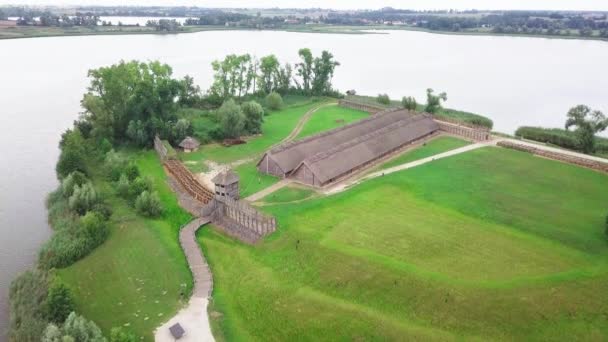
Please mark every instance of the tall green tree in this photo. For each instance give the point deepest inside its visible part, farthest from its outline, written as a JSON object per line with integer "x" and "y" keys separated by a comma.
{"x": 587, "y": 122}
{"x": 75, "y": 329}
{"x": 73, "y": 153}
{"x": 433, "y": 102}
{"x": 409, "y": 103}
{"x": 304, "y": 68}
{"x": 269, "y": 66}
{"x": 323, "y": 70}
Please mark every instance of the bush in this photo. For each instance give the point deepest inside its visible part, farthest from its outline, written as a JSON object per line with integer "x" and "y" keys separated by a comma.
{"x": 122, "y": 186}
{"x": 115, "y": 165}
{"x": 70, "y": 182}
{"x": 383, "y": 99}
{"x": 131, "y": 171}
{"x": 231, "y": 119}
{"x": 555, "y": 136}
{"x": 75, "y": 328}
{"x": 59, "y": 303}
{"x": 94, "y": 228}
{"x": 138, "y": 186}
{"x": 148, "y": 204}
{"x": 72, "y": 157}
{"x": 83, "y": 199}
{"x": 409, "y": 103}
{"x": 120, "y": 335}
{"x": 27, "y": 295}
{"x": 254, "y": 117}
{"x": 64, "y": 248}
{"x": 274, "y": 101}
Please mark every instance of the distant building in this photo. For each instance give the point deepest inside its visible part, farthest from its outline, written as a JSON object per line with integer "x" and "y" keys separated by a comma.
{"x": 227, "y": 185}
{"x": 189, "y": 144}
{"x": 8, "y": 23}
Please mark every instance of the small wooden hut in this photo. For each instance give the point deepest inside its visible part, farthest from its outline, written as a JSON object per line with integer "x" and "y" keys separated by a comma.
{"x": 227, "y": 184}
{"x": 189, "y": 144}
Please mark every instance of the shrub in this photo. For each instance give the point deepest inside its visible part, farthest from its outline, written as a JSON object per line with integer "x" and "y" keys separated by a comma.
{"x": 433, "y": 102}
{"x": 59, "y": 303}
{"x": 27, "y": 295}
{"x": 254, "y": 117}
{"x": 409, "y": 103}
{"x": 63, "y": 249}
{"x": 83, "y": 199}
{"x": 75, "y": 328}
{"x": 122, "y": 186}
{"x": 274, "y": 101}
{"x": 94, "y": 228}
{"x": 148, "y": 204}
{"x": 115, "y": 164}
{"x": 120, "y": 335}
{"x": 72, "y": 157}
{"x": 102, "y": 209}
{"x": 131, "y": 171}
{"x": 231, "y": 119}
{"x": 70, "y": 182}
{"x": 383, "y": 99}
{"x": 555, "y": 136}
{"x": 138, "y": 186}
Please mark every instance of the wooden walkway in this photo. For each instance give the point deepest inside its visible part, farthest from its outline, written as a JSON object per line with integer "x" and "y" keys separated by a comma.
{"x": 203, "y": 281}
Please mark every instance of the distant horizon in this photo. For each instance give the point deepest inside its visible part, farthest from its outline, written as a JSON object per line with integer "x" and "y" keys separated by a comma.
{"x": 417, "y": 5}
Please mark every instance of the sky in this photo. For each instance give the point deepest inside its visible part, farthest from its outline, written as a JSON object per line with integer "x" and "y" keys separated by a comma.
{"x": 591, "y": 5}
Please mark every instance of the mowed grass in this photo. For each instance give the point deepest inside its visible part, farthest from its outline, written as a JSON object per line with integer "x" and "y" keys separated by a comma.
{"x": 288, "y": 194}
{"x": 492, "y": 244}
{"x": 330, "y": 117}
{"x": 438, "y": 145}
{"x": 138, "y": 278}
{"x": 277, "y": 125}
{"x": 252, "y": 181}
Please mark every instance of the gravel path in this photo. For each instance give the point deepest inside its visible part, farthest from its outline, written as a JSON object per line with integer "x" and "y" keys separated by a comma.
{"x": 193, "y": 318}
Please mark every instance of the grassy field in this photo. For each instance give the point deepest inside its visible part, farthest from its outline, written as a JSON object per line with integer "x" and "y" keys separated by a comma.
{"x": 252, "y": 181}
{"x": 329, "y": 118}
{"x": 478, "y": 246}
{"x": 135, "y": 279}
{"x": 435, "y": 146}
{"x": 288, "y": 194}
{"x": 276, "y": 126}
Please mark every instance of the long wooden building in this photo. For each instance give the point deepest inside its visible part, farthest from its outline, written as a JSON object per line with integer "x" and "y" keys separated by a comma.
{"x": 323, "y": 158}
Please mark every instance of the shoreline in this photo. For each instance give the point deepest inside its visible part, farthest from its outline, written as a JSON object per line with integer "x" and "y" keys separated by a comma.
{"x": 316, "y": 29}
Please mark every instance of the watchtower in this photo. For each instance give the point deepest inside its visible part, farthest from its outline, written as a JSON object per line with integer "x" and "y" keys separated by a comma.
{"x": 227, "y": 185}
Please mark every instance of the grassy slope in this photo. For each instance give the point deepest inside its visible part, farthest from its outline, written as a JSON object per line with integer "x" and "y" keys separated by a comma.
{"x": 438, "y": 145}
{"x": 136, "y": 277}
{"x": 252, "y": 181}
{"x": 329, "y": 118}
{"x": 476, "y": 245}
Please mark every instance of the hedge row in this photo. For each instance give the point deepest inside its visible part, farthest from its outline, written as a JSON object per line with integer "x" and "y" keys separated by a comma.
{"x": 557, "y": 136}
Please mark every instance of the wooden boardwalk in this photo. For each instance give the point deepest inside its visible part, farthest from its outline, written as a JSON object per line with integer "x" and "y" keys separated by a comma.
{"x": 203, "y": 281}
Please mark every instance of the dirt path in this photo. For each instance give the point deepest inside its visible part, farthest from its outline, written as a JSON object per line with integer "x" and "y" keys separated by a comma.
{"x": 193, "y": 318}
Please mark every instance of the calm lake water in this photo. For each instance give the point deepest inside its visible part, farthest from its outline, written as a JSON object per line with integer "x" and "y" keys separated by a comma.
{"x": 514, "y": 81}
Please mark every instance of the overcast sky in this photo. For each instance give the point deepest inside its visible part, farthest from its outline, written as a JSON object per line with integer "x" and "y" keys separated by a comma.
{"x": 346, "y": 4}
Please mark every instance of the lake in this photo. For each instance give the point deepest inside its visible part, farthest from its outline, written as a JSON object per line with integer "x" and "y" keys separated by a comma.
{"x": 514, "y": 81}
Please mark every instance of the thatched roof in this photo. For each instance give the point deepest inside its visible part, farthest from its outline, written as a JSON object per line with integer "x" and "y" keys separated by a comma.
{"x": 333, "y": 153}
{"x": 189, "y": 143}
{"x": 225, "y": 178}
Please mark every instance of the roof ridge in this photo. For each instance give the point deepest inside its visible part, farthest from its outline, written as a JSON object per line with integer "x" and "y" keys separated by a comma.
{"x": 290, "y": 144}
{"x": 327, "y": 153}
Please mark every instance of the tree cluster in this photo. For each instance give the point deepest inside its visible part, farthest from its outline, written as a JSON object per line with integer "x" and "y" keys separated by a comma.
{"x": 236, "y": 120}
{"x": 165, "y": 25}
{"x": 240, "y": 75}
{"x": 587, "y": 123}
{"x": 131, "y": 102}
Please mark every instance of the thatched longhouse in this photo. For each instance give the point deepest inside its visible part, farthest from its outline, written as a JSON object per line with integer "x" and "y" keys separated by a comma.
{"x": 326, "y": 157}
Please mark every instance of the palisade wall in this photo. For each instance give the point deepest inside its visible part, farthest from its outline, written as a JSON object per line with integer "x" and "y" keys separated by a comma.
{"x": 567, "y": 158}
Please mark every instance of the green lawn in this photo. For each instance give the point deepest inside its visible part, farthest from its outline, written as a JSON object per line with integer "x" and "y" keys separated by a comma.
{"x": 438, "y": 145}
{"x": 252, "y": 181}
{"x": 276, "y": 126}
{"x": 135, "y": 279}
{"x": 329, "y": 118}
{"x": 492, "y": 244}
{"x": 288, "y": 194}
